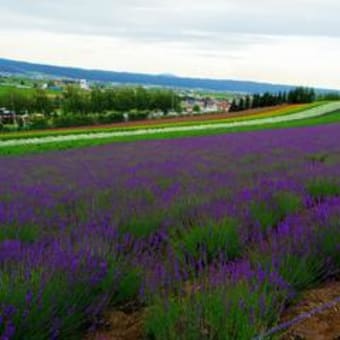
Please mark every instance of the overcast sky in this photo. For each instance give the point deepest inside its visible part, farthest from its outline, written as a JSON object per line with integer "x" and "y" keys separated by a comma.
{"x": 291, "y": 41}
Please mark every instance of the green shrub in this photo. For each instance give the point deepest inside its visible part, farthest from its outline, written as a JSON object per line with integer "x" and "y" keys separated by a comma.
{"x": 297, "y": 270}
{"x": 56, "y": 306}
{"x": 301, "y": 272}
{"x": 236, "y": 312}
{"x": 138, "y": 115}
{"x": 128, "y": 287}
{"x": 49, "y": 301}
{"x": 269, "y": 214}
{"x": 24, "y": 233}
{"x": 331, "y": 245}
{"x": 38, "y": 123}
{"x": 210, "y": 240}
{"x": 330, "y": 240}
{"x": 9, "y": 128}
{"x": 73, "y": 120}
{"x": 322, "y": 188}
{"x": 287, "y": 203}
{"x": 265, "y": 215}
{"x": 141, "y": 226}
{"x": 110, "y": 117}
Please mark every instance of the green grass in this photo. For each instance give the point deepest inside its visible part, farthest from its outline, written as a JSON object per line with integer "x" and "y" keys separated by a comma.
{"x": 7, "y": 89}
{"x": 37, "y": 148}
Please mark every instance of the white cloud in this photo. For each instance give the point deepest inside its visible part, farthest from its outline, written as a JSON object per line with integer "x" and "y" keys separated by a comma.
{"x": 289, "y": 42}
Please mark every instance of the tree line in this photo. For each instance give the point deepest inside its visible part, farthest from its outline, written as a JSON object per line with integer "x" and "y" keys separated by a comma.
{"x": 76, "y": 101}
{"x": 298, "y": 95}
{"x": 22, "y": 101}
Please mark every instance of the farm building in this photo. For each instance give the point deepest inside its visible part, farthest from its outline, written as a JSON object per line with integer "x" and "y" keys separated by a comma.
{"x": 7, "y": 116}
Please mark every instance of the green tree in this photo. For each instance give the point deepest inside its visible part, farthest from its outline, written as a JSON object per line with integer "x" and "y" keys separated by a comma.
{"x": 247, "y": 104}
{"x": 124, "y": 99}
{"x": 142, "y": 99}
{"x": 41, "y": 102}
{"x": 75, "y": 101}
{"x": 233, "y": 106}
{"x": 241, "y": 104}
{"x": 196, "y": 108}
{"x": 98, "y": 102}
{"x": 17, "y": 100}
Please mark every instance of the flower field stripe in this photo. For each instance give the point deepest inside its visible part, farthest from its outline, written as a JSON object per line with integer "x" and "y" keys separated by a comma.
{"x": 280, "y": 111}
{"x": 310, "y": 113}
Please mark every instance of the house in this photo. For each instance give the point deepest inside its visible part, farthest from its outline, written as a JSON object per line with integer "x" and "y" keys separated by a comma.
{"x": 190, "y": 103}
{"x": 7, "y": 116}
{"x": 223, "y": 106}
{"x": 84, "y": 84}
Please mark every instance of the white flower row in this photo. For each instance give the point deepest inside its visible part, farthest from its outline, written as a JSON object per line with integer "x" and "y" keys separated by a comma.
{"x": 314, "y": 112}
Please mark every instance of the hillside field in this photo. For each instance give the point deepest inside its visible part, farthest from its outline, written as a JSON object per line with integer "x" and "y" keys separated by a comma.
{"x": 208, "y": 237}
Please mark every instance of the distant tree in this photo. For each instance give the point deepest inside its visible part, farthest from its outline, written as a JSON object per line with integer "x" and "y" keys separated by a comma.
{"x": 97, "y": 101}
{"x": 75, "y": 101}
{"x": 256, "y": 101}
{"x": 41, "y": 102}
{"x": 196, "y": 108}
{"x": 124, "y": 99}
{"x": 233, "y": 106}
{"x": 142, "y": 98}
{"x": 247, "y": 103}
{"x": 241, "y": 104}
{"x": 301, "y": 95}
{"x": 16, "y": 100}
{"x": 164, "y": 100}
{"x": 330, "y": 96}
{"x": 280, "y": 98}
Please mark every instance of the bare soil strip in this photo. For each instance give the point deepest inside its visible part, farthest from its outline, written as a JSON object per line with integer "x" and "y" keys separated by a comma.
{"x": 320, "y": 326}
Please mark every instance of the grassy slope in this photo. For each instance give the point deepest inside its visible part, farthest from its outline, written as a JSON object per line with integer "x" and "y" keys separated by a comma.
{"x": 5, "y": 90}
{"x": 112, "y": 128}
{"x": 23, "y": 149}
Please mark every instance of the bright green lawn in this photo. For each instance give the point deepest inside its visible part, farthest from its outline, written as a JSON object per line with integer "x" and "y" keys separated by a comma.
{"x": 5, "y": 90}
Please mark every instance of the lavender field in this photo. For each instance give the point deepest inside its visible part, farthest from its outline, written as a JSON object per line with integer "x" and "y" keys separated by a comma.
{"x": 211, "y": 237}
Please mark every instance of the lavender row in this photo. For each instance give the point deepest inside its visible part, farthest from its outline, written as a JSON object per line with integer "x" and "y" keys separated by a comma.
{"x": 215, "y": 235}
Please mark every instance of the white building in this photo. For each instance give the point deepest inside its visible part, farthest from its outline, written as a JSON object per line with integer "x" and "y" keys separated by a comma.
{"x": 84, "y": 84}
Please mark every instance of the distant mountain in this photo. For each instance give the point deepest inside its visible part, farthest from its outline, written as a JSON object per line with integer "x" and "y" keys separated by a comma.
{"x": 33, "y": 70}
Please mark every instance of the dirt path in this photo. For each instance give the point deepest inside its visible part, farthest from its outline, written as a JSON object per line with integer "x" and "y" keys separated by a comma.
{"x": 119, "y": 326}
{"x": 320, "y": 326}
{"x": 324, "y": 325}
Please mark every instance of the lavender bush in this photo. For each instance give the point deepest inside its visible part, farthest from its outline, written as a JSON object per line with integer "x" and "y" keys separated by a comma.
{"x": 215, "y": 235}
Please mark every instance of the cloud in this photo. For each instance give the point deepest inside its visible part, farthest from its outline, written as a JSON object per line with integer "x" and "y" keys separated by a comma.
{"x": 292, "y": 41}
{"x": 172, "y": 20}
